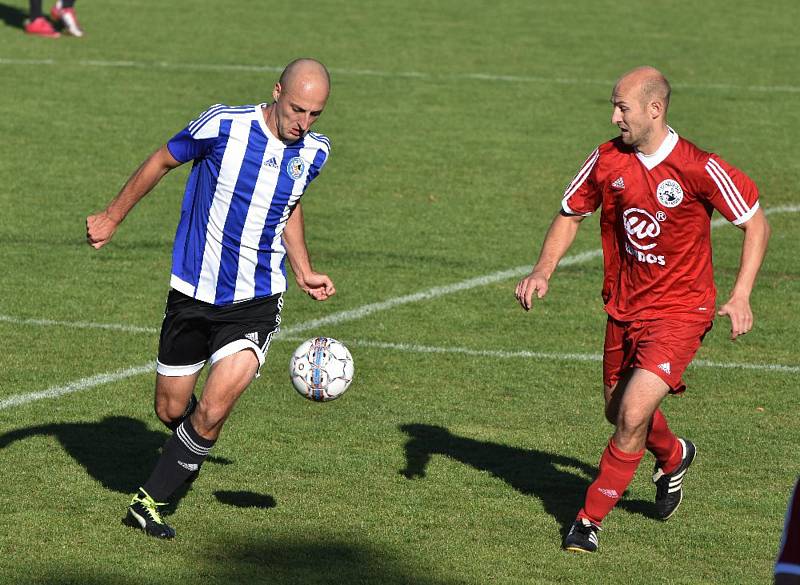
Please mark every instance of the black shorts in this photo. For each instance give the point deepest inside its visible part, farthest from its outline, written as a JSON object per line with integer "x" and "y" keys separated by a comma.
{"x": 194, "y": 332}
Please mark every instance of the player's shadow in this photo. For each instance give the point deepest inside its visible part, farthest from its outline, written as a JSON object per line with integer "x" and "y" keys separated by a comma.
{"x": 12, "y": 16}
{"x": 560, "y": 482}
{"x": 117, "y": 451}
{"x": 257, "y": 558}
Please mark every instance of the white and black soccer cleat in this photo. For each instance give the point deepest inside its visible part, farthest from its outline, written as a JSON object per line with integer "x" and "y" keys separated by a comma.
{"x": 582, "y": 537}
{"x": 143, "y": 513}
{"x": 669, "y": 490}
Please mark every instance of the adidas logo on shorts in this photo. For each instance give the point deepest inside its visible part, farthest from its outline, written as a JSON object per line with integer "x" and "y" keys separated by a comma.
{"x": 252, "y": 337}
{"x": 664, "y": 367}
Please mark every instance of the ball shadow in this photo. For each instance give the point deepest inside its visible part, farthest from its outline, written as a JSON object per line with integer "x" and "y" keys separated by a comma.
{"x": 245, "y": 499}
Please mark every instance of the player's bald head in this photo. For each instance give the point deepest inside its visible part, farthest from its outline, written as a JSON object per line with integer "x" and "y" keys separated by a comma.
{"x": 299, "y": 98}
{"x": 647, "y": 83}
{"x": 305, "y": 74}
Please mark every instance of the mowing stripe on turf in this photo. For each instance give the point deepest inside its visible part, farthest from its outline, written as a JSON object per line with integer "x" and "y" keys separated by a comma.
{"x": 78, "y": 324}
{"x": 376, "y": 73}
{"x": 364, "y": 310}
{"x": 358, "y": 313}
{"x": 542, "y": 355}
{"x": 100, "y": 379}
{"x": 484, "y": 280}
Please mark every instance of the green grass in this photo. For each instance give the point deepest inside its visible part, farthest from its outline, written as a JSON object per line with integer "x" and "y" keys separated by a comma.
{"x": 435, "y": 468}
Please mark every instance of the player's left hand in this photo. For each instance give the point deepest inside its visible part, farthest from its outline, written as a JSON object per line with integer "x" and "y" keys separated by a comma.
{"x": 317, "y": 285}
{"x": 738, "y": 309}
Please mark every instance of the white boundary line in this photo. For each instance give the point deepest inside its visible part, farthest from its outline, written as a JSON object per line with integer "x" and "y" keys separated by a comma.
{"x": 534, "y": 79}
{"x": 76, "y": 386}
{"x": 432, "y": 293}
{"x": 363, "y": 311}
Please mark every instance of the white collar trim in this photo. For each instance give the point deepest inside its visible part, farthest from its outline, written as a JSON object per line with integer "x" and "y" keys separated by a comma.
{"x": 651, "y": 161}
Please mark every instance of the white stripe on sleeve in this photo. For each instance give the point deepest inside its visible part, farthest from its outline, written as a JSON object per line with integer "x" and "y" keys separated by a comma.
{"x": 579, "y": 179}
{"x": 728, "y": 189}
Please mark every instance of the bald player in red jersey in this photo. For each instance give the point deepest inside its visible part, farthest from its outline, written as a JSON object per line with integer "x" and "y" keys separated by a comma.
{"x": 787, "y": 567}
{"x": 656, "y": 192}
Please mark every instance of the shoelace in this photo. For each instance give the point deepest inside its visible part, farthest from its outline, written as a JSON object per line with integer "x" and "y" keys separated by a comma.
{"x": 587, "y": 528}
{"x": 151, "y": 506}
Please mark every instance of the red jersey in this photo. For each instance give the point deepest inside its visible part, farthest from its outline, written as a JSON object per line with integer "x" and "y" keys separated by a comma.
{"x": 789, "y": 553}
{"x": 656, "y": 224}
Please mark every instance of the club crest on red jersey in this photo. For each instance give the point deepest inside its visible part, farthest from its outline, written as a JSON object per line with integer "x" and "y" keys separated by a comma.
{"x": 669, "y": 193}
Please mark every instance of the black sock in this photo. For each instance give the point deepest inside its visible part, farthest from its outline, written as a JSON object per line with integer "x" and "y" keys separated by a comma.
{"x": 36, "y": 9}
{"x": 173, "y": 425}
{"x": 67, "y": 3}
{"x": 182, "y": 455}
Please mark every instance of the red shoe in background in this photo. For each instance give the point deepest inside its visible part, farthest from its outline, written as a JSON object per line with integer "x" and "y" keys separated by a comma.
{"x": 41, "y": 27}
{"x": 68, "y": 17}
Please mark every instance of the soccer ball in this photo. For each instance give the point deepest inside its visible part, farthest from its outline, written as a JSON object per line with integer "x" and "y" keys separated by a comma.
{"x": 321, "y": 369}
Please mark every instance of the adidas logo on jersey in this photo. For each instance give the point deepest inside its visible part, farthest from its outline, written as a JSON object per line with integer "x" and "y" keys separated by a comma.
{"x": 664, "y": 367}
{"x": 252, "y": 337}
{"x": 271, "y": 163}
{"x": 618, "y": 184}
{"x": 608, "y": 493}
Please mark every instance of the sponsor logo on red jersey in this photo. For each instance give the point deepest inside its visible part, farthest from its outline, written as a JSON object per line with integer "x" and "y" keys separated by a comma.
{"x": 642, "y": 229}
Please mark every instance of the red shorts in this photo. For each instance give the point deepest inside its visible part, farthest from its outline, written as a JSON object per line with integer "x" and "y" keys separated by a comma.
{"x": 664, "y": 346}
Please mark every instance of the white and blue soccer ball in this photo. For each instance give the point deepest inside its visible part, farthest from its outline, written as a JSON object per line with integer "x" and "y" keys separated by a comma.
{"x": 321, "y": 369}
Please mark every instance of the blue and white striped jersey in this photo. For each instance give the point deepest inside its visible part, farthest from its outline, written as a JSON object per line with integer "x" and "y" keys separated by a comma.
{"x": 243, "y": 185}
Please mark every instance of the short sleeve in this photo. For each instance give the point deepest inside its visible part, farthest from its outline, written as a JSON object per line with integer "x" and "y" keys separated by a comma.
{"x": 199, "y": 136}
{"x": 319, "y": 161}
{"x": 730, "y": 191}
{"x": 583, "y": 195}
{"x": 323, "y": 145}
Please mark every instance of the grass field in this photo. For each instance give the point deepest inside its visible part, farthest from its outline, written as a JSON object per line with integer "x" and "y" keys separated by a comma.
{"x": 464, "y": 447}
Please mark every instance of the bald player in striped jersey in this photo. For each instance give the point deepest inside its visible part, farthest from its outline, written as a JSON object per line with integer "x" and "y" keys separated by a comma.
{"x": 241, "y": 217}
{"x": 656, "y": 191}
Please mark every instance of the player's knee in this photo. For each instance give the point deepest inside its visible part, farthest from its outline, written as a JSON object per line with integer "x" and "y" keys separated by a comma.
{"x": 631, "y": 423}
{"x": 168, "y": 409}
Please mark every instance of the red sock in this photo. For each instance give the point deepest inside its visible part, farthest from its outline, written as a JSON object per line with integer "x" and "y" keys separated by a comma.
{"x": 663, "y": 443}
{"x": 616, "y": 472}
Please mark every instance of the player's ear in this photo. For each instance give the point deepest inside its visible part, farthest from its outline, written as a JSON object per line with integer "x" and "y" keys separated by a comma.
{"x": 656, "y": 109}
{"x": 276, "y": 92}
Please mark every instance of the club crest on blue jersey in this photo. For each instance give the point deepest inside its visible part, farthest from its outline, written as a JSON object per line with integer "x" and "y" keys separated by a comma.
{"x": 295, "y": 167}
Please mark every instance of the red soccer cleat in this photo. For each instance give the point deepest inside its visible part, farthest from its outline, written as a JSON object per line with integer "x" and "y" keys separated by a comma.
{"x": 41, "y": 27}
{"x": 68, "y": 17}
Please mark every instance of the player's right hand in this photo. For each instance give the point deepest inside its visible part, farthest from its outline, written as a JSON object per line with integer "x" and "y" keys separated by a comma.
{"x": 535, "y": 282}
{"x": 100, "y": 229}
